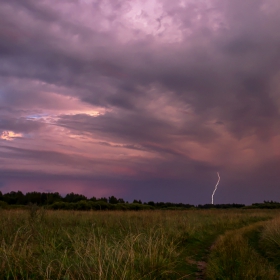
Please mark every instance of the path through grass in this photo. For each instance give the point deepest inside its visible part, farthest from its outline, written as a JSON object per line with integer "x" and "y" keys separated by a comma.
{"x": 249, "y": 253}
{"x": 112, "y": 245}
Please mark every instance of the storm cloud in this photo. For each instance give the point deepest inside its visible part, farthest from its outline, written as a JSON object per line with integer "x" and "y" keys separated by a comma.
{"x": 141, "y": 99}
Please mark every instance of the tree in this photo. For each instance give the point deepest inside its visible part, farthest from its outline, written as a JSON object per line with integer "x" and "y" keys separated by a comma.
{"x": 151, "y": 203}
{"x": 12, "y": 197}
{"x": 34, "y": 197}
{"x": 113, "y": 200}
{"x": 73, "y": 197}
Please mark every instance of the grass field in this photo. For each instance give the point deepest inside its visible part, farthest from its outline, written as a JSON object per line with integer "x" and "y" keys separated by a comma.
{"x": 191, "y": 244}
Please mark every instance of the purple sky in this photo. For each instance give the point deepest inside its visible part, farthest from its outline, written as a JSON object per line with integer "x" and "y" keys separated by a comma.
{"x": 141, "y": 99}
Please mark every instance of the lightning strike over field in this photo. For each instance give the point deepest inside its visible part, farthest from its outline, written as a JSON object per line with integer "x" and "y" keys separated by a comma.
{"x": 215, "y": 187}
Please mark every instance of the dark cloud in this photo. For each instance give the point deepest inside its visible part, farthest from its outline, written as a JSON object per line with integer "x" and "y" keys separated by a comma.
{"x": 167, "y": 84}
{"x": 21, "y": 125}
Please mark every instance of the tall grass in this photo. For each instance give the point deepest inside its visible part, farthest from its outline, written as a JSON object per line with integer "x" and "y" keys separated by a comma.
{"x": 39, "y": 244}
{"x": 270, "y": 241}
{"x": 232, "y": 257}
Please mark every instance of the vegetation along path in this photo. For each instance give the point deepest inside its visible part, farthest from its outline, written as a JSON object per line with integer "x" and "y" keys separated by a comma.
{"x": 252, "y": 252}
{"x": 133, "y": 245}
{"x": 203, "y": 247}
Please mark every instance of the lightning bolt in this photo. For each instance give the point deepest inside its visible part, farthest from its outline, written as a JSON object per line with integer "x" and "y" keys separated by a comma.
{"x": 216, "y": 187}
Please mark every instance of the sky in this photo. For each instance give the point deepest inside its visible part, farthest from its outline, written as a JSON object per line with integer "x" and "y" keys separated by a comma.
{"x": 141, "y": 99}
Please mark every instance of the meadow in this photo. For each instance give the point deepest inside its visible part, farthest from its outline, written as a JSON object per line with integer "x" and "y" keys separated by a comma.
{"x": 159, "y": 244}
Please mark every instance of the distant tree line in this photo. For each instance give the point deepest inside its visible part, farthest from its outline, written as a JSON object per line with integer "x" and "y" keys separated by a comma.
{"x": 220, "y": 206}
{"x": 80, "y": 202}
{"x": 265, "y": 205}
{"x": 73, "y": 201}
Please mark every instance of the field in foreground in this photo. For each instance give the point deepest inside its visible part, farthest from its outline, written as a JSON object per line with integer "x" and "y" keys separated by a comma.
{"x": 192, "y": 244}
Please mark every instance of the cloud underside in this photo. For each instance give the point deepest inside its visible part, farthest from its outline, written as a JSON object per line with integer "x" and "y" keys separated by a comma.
{"x": 150, "y": 92}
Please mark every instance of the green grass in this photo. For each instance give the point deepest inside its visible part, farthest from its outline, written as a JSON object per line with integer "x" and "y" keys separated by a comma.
{"x": 252, "y": 252}
{"x": 269, "y": 242}
{"x": 45, "y": 244}
{"x": 232, "y": 258}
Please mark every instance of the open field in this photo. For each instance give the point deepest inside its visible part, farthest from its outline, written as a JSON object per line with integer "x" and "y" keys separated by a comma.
{"x": 191, "y": 244}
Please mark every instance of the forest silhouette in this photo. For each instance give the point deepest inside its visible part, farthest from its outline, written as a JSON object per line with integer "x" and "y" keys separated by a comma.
{"x": 73, "y": 201}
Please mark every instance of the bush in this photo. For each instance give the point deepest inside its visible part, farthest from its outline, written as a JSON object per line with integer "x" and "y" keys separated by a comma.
{"x": 3, "y": 205}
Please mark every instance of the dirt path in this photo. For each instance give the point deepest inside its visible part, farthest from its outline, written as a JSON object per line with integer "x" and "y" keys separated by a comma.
{"x": 201, "y": 266}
